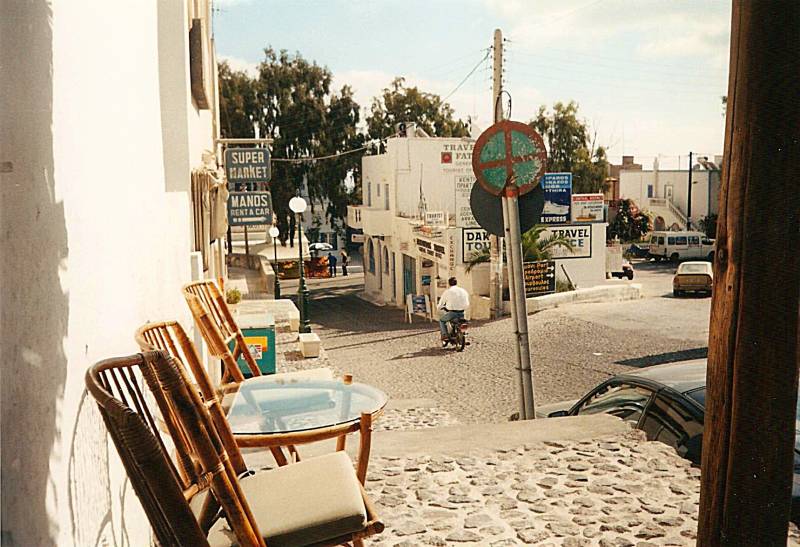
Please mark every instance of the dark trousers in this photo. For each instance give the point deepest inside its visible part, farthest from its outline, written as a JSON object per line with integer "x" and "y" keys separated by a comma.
{"x": 344, "y": 269}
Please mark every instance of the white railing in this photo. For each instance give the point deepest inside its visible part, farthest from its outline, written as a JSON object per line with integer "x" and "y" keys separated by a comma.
{"x": 678, "y": 213}
{"x": 663, "y": 202}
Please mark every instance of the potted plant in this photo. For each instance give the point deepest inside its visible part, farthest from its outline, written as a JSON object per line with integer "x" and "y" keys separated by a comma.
{"x": 232, "y": 298}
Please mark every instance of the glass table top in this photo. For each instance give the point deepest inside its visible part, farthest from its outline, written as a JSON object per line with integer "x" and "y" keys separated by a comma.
{"x": 264, "y": 406}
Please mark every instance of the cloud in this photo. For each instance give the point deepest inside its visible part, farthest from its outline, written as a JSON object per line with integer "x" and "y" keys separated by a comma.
{"x": 240, "y": 64}
{"x": 660, "y": 30}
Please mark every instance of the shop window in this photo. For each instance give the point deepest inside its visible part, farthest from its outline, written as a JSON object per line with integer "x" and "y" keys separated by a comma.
{"x": 371, "y": 256}
{"x": 369, "y": 194}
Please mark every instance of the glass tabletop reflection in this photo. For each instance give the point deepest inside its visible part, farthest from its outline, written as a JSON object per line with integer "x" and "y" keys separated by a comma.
{"x": 264, "y": 406}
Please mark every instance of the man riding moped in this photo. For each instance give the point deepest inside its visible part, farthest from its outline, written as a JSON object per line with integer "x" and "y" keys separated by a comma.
{"x": 453, "y": 302}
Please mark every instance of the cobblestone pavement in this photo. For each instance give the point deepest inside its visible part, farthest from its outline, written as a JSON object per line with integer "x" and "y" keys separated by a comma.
{"x": 612, "y": 492}
{"x": 570, "y": 354}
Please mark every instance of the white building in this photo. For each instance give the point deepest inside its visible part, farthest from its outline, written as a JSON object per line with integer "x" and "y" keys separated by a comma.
{"x": 104, "y": 119}
{"x": 665, "y": 194}
{"x": 419, "y": 229}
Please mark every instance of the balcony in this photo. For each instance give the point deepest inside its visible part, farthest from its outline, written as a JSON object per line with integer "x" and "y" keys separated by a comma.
{"x": 354, "y": 216}
{"x": 376, "y": 222}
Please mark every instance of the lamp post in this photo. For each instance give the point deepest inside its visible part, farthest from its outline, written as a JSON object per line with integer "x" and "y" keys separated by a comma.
{"x": 298, "y": 205}
{"x": 274, "y": 233}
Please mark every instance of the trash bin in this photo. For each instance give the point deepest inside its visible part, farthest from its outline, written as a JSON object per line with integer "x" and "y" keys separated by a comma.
{"x": 259, "y": 335}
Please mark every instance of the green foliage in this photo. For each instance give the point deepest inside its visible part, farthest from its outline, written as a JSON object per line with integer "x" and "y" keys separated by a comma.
{"x": 534, "y": 248}
{"x": 408, "y": 104}
{"x": 569, "y": 148}
{"x": 627, "y": 225}
{"x": 709, "y": 225}
{"x": 291, "y": 102}
{"x": 233, "y": 296}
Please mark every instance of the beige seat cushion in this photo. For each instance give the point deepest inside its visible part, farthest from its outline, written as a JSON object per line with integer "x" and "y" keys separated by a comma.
{"x": 300, "y": 504}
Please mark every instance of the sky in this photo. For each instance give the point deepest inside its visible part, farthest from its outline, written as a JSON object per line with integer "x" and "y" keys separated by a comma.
{"x": 647, "y": 75}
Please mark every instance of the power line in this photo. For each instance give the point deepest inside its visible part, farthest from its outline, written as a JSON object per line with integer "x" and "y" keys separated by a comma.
{"x": 471, "y": 72}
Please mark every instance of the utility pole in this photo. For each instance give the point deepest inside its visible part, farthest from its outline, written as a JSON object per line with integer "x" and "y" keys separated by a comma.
{"x": 495, "y": 254}
{"x": 689, "y": 198}
{"x": 746, "y": 481}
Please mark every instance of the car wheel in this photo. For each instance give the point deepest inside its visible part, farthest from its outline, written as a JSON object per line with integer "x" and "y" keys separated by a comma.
{"x": 710, "y": 256}
{"x": 676, "y": 293}
{"x": 629, "y": 275}
{"x": 674, "y": 257}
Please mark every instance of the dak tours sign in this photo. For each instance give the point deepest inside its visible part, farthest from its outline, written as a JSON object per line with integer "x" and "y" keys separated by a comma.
{"x": 540, "y": 277}
{"x": 248, "y": 208}
{"x": 509, "y": 150}
{"x": 247, "y": 165}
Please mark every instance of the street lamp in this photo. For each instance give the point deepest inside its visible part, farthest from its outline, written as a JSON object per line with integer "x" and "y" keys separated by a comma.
{"x": 274, "y": 233}
{"x": 298, "y": 205}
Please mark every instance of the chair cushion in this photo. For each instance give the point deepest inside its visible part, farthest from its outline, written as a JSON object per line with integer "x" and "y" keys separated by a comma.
{"x": 300, "y": 504}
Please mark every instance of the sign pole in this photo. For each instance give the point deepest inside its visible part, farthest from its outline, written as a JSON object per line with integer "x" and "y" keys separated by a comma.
{"x": 510, "y": 251}
{"x": 495, "y": 250}
{"x": 517, "y": 289}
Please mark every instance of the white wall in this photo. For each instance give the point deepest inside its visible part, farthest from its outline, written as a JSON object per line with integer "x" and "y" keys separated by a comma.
{"x": 633, "y": 185}
{"x": 93, "y": 247}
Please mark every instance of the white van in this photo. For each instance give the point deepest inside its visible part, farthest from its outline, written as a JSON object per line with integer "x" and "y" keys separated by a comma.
{"x": 677, "y": 246}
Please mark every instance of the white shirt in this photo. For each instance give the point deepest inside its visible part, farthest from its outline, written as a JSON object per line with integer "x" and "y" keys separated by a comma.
{"x": 454, "y": 299}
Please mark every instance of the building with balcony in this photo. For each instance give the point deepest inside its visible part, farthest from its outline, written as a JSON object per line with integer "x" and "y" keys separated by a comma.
{"x": 664, "y": 194}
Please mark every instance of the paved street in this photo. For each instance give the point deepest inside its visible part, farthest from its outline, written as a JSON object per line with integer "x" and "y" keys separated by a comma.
{"x": 573, "y": 347}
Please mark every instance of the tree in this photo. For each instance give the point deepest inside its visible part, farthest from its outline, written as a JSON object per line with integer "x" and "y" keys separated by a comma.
{"x": 237, "y": 102}
{"x": 629, "y": 224}
{"x": 534, "y": 248}
{"x": 570, "y": 149}
{"x": 291, "y": 102}
{"x": 408, "y": 104}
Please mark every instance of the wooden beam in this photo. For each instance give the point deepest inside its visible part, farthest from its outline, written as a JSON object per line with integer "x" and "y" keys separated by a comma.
{"x": 753, "y": 341}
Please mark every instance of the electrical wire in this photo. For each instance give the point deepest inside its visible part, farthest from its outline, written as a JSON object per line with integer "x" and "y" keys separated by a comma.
{"x": 470, "y": 73}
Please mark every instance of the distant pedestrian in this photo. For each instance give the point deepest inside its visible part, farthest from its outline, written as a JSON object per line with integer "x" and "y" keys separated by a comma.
{"x": 345, "y": 258}
{"x": 332, "y": 265}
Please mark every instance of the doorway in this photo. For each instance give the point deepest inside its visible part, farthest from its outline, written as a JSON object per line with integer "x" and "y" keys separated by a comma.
{"x": 409, "y": 275}
{"x": 668, "y": 192}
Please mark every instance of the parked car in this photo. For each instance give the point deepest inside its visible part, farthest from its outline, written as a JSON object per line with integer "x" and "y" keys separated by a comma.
{"x": 693, "y": 277}
{"x": 640, "y": 250}
{"x": 667, "y": 402}
{"x": 319, "y": 247}
{"x": 627, "y": 270}
{"x": 676, "y": 246}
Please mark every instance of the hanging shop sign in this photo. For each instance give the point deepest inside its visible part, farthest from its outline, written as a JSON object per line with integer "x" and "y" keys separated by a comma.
{"x": 435, "y": 218}
{"x": 435, "y": 251}
{"x": 587, "y": 208}
{"x": 247, "y": 166}
{"x": 248, "y": 208}
{"x": 557, "y": 198}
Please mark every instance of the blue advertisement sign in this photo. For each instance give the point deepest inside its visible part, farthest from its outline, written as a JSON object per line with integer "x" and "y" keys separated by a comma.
{"x": 557, "y": 198}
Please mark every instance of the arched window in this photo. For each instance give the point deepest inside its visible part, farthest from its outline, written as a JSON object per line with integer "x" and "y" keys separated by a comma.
{"x": 385, "y": 260}
{"x": 371, "y": 256}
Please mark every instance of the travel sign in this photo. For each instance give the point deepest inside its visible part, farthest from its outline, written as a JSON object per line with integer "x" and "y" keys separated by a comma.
{"x": 247, "y": 166}
{"x": 509, "y": 150}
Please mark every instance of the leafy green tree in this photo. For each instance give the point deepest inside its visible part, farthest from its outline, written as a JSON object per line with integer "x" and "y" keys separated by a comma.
{"x": 399, "y": 103}
{"x": 237, "y": 102}
{"x": 570, "y": 148}
{"x": 629, "y": 224}
{"x": 534, "y": 247}
{"x": 291, "y": 102}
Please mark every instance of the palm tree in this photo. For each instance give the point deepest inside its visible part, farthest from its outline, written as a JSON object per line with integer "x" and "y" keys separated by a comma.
{"x": 533, "y": 248}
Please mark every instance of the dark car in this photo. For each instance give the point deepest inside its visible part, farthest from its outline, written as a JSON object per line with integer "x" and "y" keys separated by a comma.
{"x": 667, "y": 402}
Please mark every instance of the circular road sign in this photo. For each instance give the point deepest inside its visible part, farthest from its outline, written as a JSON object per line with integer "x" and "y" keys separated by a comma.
{"x": 509, "y": 150}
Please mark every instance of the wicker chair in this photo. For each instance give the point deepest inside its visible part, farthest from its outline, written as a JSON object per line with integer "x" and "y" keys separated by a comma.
{"x": 197, "y": 498}
{"x": 219, "y": 330}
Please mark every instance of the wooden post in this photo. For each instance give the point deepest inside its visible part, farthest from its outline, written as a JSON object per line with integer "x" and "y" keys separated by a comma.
{"x": 753, "y": 341}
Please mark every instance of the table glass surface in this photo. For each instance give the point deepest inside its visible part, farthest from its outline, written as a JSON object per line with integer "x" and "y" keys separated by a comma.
{"x": 264, "y": 406}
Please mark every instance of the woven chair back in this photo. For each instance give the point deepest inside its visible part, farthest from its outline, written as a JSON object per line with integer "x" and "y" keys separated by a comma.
{"x": 125, "y": 388}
